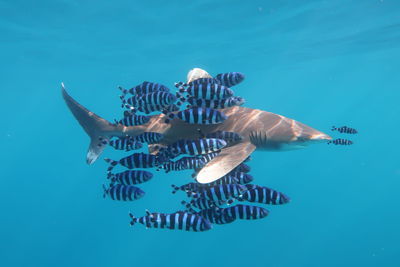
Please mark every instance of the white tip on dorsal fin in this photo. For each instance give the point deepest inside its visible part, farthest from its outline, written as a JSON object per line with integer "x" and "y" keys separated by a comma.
{"x": 197, "y": 73}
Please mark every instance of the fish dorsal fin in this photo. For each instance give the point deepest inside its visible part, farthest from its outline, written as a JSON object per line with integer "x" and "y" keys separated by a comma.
{"x": 197, "y": 73}
{"x": 227, "y": 160}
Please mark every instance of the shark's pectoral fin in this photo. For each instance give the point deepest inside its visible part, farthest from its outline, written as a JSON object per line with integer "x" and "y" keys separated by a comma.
{"x": 96, "y": 147}
{"x": 228, "y": 159}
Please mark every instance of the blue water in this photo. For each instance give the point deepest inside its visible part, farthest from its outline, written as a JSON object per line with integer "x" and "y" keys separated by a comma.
{"x": 319, "y": 62}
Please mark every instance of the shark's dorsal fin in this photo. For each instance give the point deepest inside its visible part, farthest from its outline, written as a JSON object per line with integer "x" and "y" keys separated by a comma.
{"x": 227, "y": 160}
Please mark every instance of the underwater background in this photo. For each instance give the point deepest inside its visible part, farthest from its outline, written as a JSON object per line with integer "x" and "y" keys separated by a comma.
{"x": 322, "y": 63}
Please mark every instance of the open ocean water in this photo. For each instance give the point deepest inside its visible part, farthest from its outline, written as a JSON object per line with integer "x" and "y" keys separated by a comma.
{"x": 322, "y": 63}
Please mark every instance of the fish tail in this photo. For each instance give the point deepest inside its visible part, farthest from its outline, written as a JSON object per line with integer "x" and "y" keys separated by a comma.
{"x": 133, "y": 219}
{"x": 334, "y": 128}
{"x": 176, "y": 188}
{"x": 95, "y": 126}
{"x": 112, "y": 163}
{"x": 105, "y": 191}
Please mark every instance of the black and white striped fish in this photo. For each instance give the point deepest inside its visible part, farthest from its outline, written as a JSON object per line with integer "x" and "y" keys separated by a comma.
{"x": 341, "y": 142}
{"x": 192, "y": 147}
{"x": 179, "y": 220}
{"x": 136, "y": 160}
{"x": 123, "y": 192}
{"x": 147, "y": 109}
{"x": 242, "y": 168}
{"x": 222, "y": 192}
{"x": 184, "y": 163}
{"x": 149, "y": 137}
{"x": 207, "y": 91}
{"x": 209, "y": 156}
{"x": 214, "y": 215}
{"x": 162, "y": 99}
{"x": 265, "y": 195}
{"x": 125, "y": 143}
{"x": 198, "y": 81}
{"x": 197, "y": 116}
{"x": 344, "y": 129}
{"x": 229, "y": 137}
{"x": 130, "y": 119}
{"x": 201, "y": 204}
{"x": 215, "y": 104}
{"x": 244, "y": 212}
{"x": 131, "y": 177}
{"x": 230, "y": 79}
{"x": 241, "y": 177}
{"x": 145, "y": 88}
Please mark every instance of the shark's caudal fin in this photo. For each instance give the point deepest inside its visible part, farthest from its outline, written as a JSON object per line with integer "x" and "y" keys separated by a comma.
{"x": 227, "y": 160}
{"x": 98, "y": 129}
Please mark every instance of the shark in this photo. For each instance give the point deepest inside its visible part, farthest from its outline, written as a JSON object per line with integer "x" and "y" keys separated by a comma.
{"x": 260, "y": 130}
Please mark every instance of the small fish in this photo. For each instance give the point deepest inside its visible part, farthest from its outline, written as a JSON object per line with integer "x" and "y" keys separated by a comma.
{"x": 242, "y": 168}
{"x": 192, "y": 147}
{"x": 201, "y": 204}
{"x": 215, "y": 104}
{"x": 230, "y": 79}
{"x": 214, "y": 215}
{"x": 156, "y": 99}
{"x": 202, "y": 116}
{"x": 240, "y": 177}
{"x": 125, "y": 143}
{"x": 229, "y": 137}
{"x": 131, "y": 177}
{"x": 207, "y": 91}
{"x": 136, "y": 160}
{"x": 265, "y": 195}
{"x": 340, "y": 141}
{"x": 123, "y": 192}
{"x": 130, "y": 119}
{"x": 179, "y": 220}
{"x": 145, "y": 88}
{"x": 184, "y": 163}
{"x": 198, "y": 81}
{"x": 223, "y": 192}
{"x": 345, "y": 129}
{"x": 149, "y": 137}
{"x": 244, "y": 212}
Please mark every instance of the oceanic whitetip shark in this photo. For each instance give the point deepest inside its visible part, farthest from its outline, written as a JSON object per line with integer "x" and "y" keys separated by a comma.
{"x": 259, "y": 130}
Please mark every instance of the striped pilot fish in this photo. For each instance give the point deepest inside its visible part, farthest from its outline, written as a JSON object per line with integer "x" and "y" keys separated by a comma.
{"x": 184, "y": 163}
{"x": 344, "y": 129}
{"x": 179, "y": 220}
{"x": 148, "y": 137}
{"x": 229, "y": 137}
{"x": 131, "y": 119}
{"x": 198, "y": 81}
{"x": 242, "y": 168}
{"x": 207, "y": 91}
{"x": 197, "y": 116}
{"x": 147, "y": 109}
{"x": 244, "y": 212}
{"x": 192, "y": 147}
{"x": 123, "y": 192}
{"x": 241, "y": 177}
{"x": 125, "y": 143}
{"x": 162, "y": 99}
{"x": 201, "y": 204}
{"x": 214, "y": 215}
{"x": 341, "y": 142}
{"x": 230, "y": 79}
{"x": 136, "y": 160}
{"x": 131, "y": 177}
{"x": 222, "y": 192}
{"x": 265, "y": 195}
{"x": 145, "y": 88}
{"x": 215, "y": 103}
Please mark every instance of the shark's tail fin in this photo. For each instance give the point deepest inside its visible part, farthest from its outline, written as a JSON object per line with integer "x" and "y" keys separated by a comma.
{"x": 98, "y": 129}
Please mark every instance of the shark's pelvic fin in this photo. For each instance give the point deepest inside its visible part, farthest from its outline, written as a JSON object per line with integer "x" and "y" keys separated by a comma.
{"x": 227, "y": 160}
{"x": 98, "y": 129}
